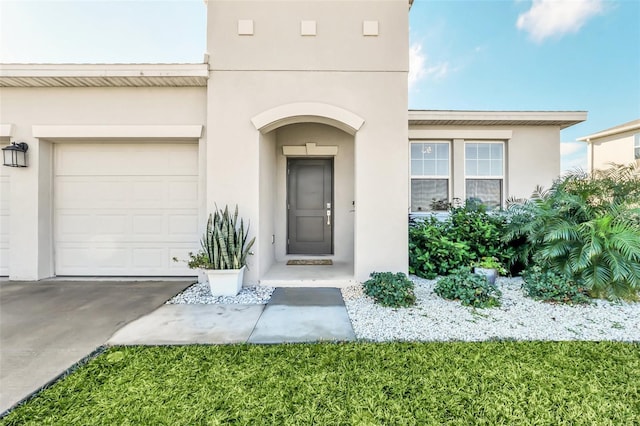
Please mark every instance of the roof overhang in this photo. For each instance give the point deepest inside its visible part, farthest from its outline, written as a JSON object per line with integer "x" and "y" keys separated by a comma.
{"x": 623, "y": 128}
{"x": 563, "y": 119}
{"x": 103, "y": 75}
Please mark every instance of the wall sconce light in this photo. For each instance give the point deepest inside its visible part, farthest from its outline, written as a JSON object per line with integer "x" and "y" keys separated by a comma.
{"x": 15, "y": 155}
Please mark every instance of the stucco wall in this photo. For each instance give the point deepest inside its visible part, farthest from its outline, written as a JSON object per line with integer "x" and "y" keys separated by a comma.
{"x": 612, "y": 149}
{"x": 381, "y": 151}
{"x": 339, "y": 43}
{"x": 532, "y": 154}
{"x": 268, "y": 203}
{"x": 31, "y": 254}
{"x": 338, "y": 66}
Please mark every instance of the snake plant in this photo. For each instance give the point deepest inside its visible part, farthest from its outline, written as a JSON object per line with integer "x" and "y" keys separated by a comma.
{"x": 224, "y": 243}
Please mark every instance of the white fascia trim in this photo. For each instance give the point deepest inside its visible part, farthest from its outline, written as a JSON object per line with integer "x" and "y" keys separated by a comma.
{"x": 168, "y": 132}
{"x": 499, "y": 115}
{"x": 104, "y": 70}
{"x": 629, "y": 128}
{"x": 460, "y": 134}
{"x": 307, "y": 112}
{"x": 6, "y": 130}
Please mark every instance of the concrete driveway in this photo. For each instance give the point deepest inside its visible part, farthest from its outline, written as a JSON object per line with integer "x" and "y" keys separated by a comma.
{"x": 47, "y": 326}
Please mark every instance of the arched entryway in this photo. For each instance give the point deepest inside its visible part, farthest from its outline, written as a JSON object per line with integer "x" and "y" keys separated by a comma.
{"x": 307, "y": 193}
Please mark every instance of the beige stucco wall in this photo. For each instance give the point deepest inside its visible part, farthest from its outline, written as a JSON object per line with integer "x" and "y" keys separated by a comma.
{"x": 381, "y": 151}
{"x": 532, "y": 154}
{"x": 31, "y": 237}
{"x": 338, "y": 67}
{"x": 266, "y": 227}
{"x": 339, "y": 44}
{"x": 611, "y": 149}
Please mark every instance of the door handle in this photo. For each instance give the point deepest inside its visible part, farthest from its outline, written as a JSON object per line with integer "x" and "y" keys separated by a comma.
{"x": 329, "y": 217}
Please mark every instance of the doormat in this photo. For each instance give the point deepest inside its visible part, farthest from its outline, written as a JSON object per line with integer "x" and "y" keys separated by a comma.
{"x": 310, "y": 262}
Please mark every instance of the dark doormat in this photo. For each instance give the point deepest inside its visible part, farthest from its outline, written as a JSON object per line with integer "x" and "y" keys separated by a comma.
{"x": 307, "y": 262}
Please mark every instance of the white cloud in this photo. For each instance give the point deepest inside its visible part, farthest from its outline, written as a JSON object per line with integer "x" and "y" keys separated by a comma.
{"x": 573, "y": 155}
{"x": 548, "y": 18}
{"x": 568, "y": 148}
{"x": 417, "y": 62}
{"x": 419, "y": 67}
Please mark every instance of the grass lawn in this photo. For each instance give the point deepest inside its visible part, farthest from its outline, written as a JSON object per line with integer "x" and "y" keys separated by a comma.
{"x": 357, "y": 383}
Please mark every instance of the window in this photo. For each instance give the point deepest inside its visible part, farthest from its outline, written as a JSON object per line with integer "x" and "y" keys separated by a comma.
{"x": 429, "y": 176}
{"x": 636, "y": 145}
{"x": 484, "y": 172}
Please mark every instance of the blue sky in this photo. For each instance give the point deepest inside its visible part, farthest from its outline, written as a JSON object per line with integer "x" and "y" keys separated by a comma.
{"x": 477, "y": 54}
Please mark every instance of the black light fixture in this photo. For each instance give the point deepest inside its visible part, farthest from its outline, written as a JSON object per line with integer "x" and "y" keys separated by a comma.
{"x": 15, "y": 155}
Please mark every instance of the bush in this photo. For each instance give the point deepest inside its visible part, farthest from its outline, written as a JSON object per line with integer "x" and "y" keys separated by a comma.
{"x": 468, "y": 234}
{"x": 587, "y": 228}
{"x": 433, "y": 251}
{"x": 543, "y": 284}
{"x": 470, "y": 289}
{"x": 388, "y": 289}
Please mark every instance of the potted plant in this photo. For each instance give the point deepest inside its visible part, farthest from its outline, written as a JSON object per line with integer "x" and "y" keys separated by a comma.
{"x": 490, "y": 267}
{"x": 223, "y": 253}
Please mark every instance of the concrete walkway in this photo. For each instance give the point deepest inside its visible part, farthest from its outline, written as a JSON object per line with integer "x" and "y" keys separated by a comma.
{"x": 48, "y": 326}
{"x": 292, "y": 315}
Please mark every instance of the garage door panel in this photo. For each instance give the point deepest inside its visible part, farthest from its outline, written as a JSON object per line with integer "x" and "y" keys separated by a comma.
{"x": 127, "y": 159}
{"x": 148, "y": 258}
{"x": 125, "y": 192}
{"x": 182, "y": 224}
{"x": 89, "y": 226}
{"x": 183, "y": 191}
{"x": 111, "y": 221}
{"x": 120, "y": 259}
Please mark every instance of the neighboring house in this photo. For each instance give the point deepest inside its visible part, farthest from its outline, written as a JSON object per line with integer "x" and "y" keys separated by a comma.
{"x": 298, "y": 115}
{"x": 619, "y": 144}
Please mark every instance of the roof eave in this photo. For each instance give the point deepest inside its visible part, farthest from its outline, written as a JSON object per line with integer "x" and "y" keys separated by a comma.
{"x": 563, "y": 119}
{"x": 101, "y": 75}
{"x": 633, "y": 126}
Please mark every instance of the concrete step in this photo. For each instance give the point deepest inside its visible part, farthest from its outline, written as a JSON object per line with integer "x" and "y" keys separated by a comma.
{"x": 304, "y": 283}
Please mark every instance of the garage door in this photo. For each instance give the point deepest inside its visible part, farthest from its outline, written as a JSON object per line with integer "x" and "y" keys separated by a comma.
{"x": 125, "y": 209}
{"x": 4, "y": 223}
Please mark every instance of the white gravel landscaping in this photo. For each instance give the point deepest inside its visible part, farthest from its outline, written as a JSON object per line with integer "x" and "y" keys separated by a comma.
{"x": 519, "y": 318}
{"x": 200, "y": 293}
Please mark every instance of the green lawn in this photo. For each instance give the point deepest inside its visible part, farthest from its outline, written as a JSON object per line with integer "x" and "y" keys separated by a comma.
{"x": 357, "y": 383}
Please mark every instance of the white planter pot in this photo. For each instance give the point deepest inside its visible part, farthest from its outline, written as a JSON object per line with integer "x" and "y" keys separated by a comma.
{"x": 225, "y": 282}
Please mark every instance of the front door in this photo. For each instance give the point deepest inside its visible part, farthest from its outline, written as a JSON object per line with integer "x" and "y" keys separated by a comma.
{"x": 310, "y": 206}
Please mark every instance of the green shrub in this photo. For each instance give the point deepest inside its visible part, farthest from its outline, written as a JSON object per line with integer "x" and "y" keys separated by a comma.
{"x": 468, "y": 234}
{"x": 481, "y": 230}
{"x": 490, "y": 263}
{"x": 388, "y": 289}
{"x": 470, "y": 289}
{"x": 432, "y": 251}
{"x": 549, "y": 286}
{"x": 586, "y": 227}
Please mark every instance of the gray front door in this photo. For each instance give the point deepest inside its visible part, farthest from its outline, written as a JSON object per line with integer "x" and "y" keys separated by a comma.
{"x": 310, "y": 206}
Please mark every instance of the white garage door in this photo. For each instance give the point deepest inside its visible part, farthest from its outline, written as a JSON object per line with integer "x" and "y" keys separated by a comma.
{"x": 125, "y": 209}
{"x": 4, "y": 223}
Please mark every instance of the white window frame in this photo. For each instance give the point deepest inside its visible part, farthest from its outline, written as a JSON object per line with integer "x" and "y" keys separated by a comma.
{"x": 636, "y": 146}
{"x": 479, "y": 177}
{"x": 435, "y": 177}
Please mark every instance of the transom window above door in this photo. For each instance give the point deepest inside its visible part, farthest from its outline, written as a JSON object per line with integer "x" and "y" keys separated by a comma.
{"x": 430, "y": 175}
